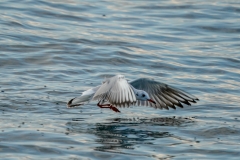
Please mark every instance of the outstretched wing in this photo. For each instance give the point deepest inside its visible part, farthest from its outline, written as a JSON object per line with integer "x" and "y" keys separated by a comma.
{"x": 117, "y": 91}
{"x": 164, "y": 95}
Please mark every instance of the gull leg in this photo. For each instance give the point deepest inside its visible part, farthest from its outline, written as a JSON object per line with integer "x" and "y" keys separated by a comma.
{"x": 108, "y": 106}
{"x": 103, "y": 105}
{"x": 114, "y": 108}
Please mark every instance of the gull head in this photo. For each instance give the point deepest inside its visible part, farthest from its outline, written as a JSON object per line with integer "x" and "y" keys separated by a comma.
{"x": 143, "y": 96}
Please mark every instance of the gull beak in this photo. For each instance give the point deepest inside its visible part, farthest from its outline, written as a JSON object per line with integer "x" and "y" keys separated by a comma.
{"x": 150, "y": 100}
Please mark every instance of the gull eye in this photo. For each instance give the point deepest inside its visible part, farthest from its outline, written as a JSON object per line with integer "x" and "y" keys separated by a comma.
{"x": 143, "y": 95}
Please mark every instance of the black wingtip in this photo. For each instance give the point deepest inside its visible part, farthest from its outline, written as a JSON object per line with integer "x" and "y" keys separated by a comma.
{"x": 193, "y": 101}
{"x": 179, "y": 105}
{"x": 69, "y": 103}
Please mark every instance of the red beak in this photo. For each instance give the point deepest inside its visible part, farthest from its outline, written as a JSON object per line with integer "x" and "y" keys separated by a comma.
{"x": 150, "y": 100}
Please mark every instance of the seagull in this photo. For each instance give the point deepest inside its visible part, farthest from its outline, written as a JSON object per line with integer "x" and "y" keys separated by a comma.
{"x": 116, "y": 92}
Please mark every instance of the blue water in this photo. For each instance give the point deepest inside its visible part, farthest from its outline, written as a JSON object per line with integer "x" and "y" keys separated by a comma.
{"x": 51, "y": 51}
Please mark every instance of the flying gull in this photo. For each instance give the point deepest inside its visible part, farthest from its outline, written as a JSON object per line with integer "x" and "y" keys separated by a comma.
{"x": 117, "y": 92}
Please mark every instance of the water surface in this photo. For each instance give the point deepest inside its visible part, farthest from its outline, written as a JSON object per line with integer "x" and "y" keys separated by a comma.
{"x": 51, "y": 51}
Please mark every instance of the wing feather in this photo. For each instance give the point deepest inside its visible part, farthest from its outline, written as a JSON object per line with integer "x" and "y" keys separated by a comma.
{"x": 164, "y": 95}
{"x": 117, "y": 91}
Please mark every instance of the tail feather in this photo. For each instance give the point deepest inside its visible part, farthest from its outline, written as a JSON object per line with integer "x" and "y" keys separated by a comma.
{"x": 77, "y": 101}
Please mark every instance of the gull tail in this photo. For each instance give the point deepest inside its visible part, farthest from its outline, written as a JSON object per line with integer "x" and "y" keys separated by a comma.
{"x": 86, "y": 97}
{"x": 78, "y": 101}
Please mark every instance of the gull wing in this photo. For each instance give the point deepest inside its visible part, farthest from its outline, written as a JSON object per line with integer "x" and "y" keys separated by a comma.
{"x": 117, "y": 91}
{"x": 164, "y": 95}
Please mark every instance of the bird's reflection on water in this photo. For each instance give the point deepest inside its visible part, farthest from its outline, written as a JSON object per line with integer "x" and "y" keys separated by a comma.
{"x": 121, "y": 133}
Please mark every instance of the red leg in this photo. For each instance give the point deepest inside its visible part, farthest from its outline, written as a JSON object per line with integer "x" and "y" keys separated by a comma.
{"x": 103, "y": 105}
{"x": 108, "y": 106}
{"x": 114, "y": 108}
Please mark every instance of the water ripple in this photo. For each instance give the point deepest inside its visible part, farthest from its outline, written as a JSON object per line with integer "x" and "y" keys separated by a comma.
{"x": 51, "y": 51}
